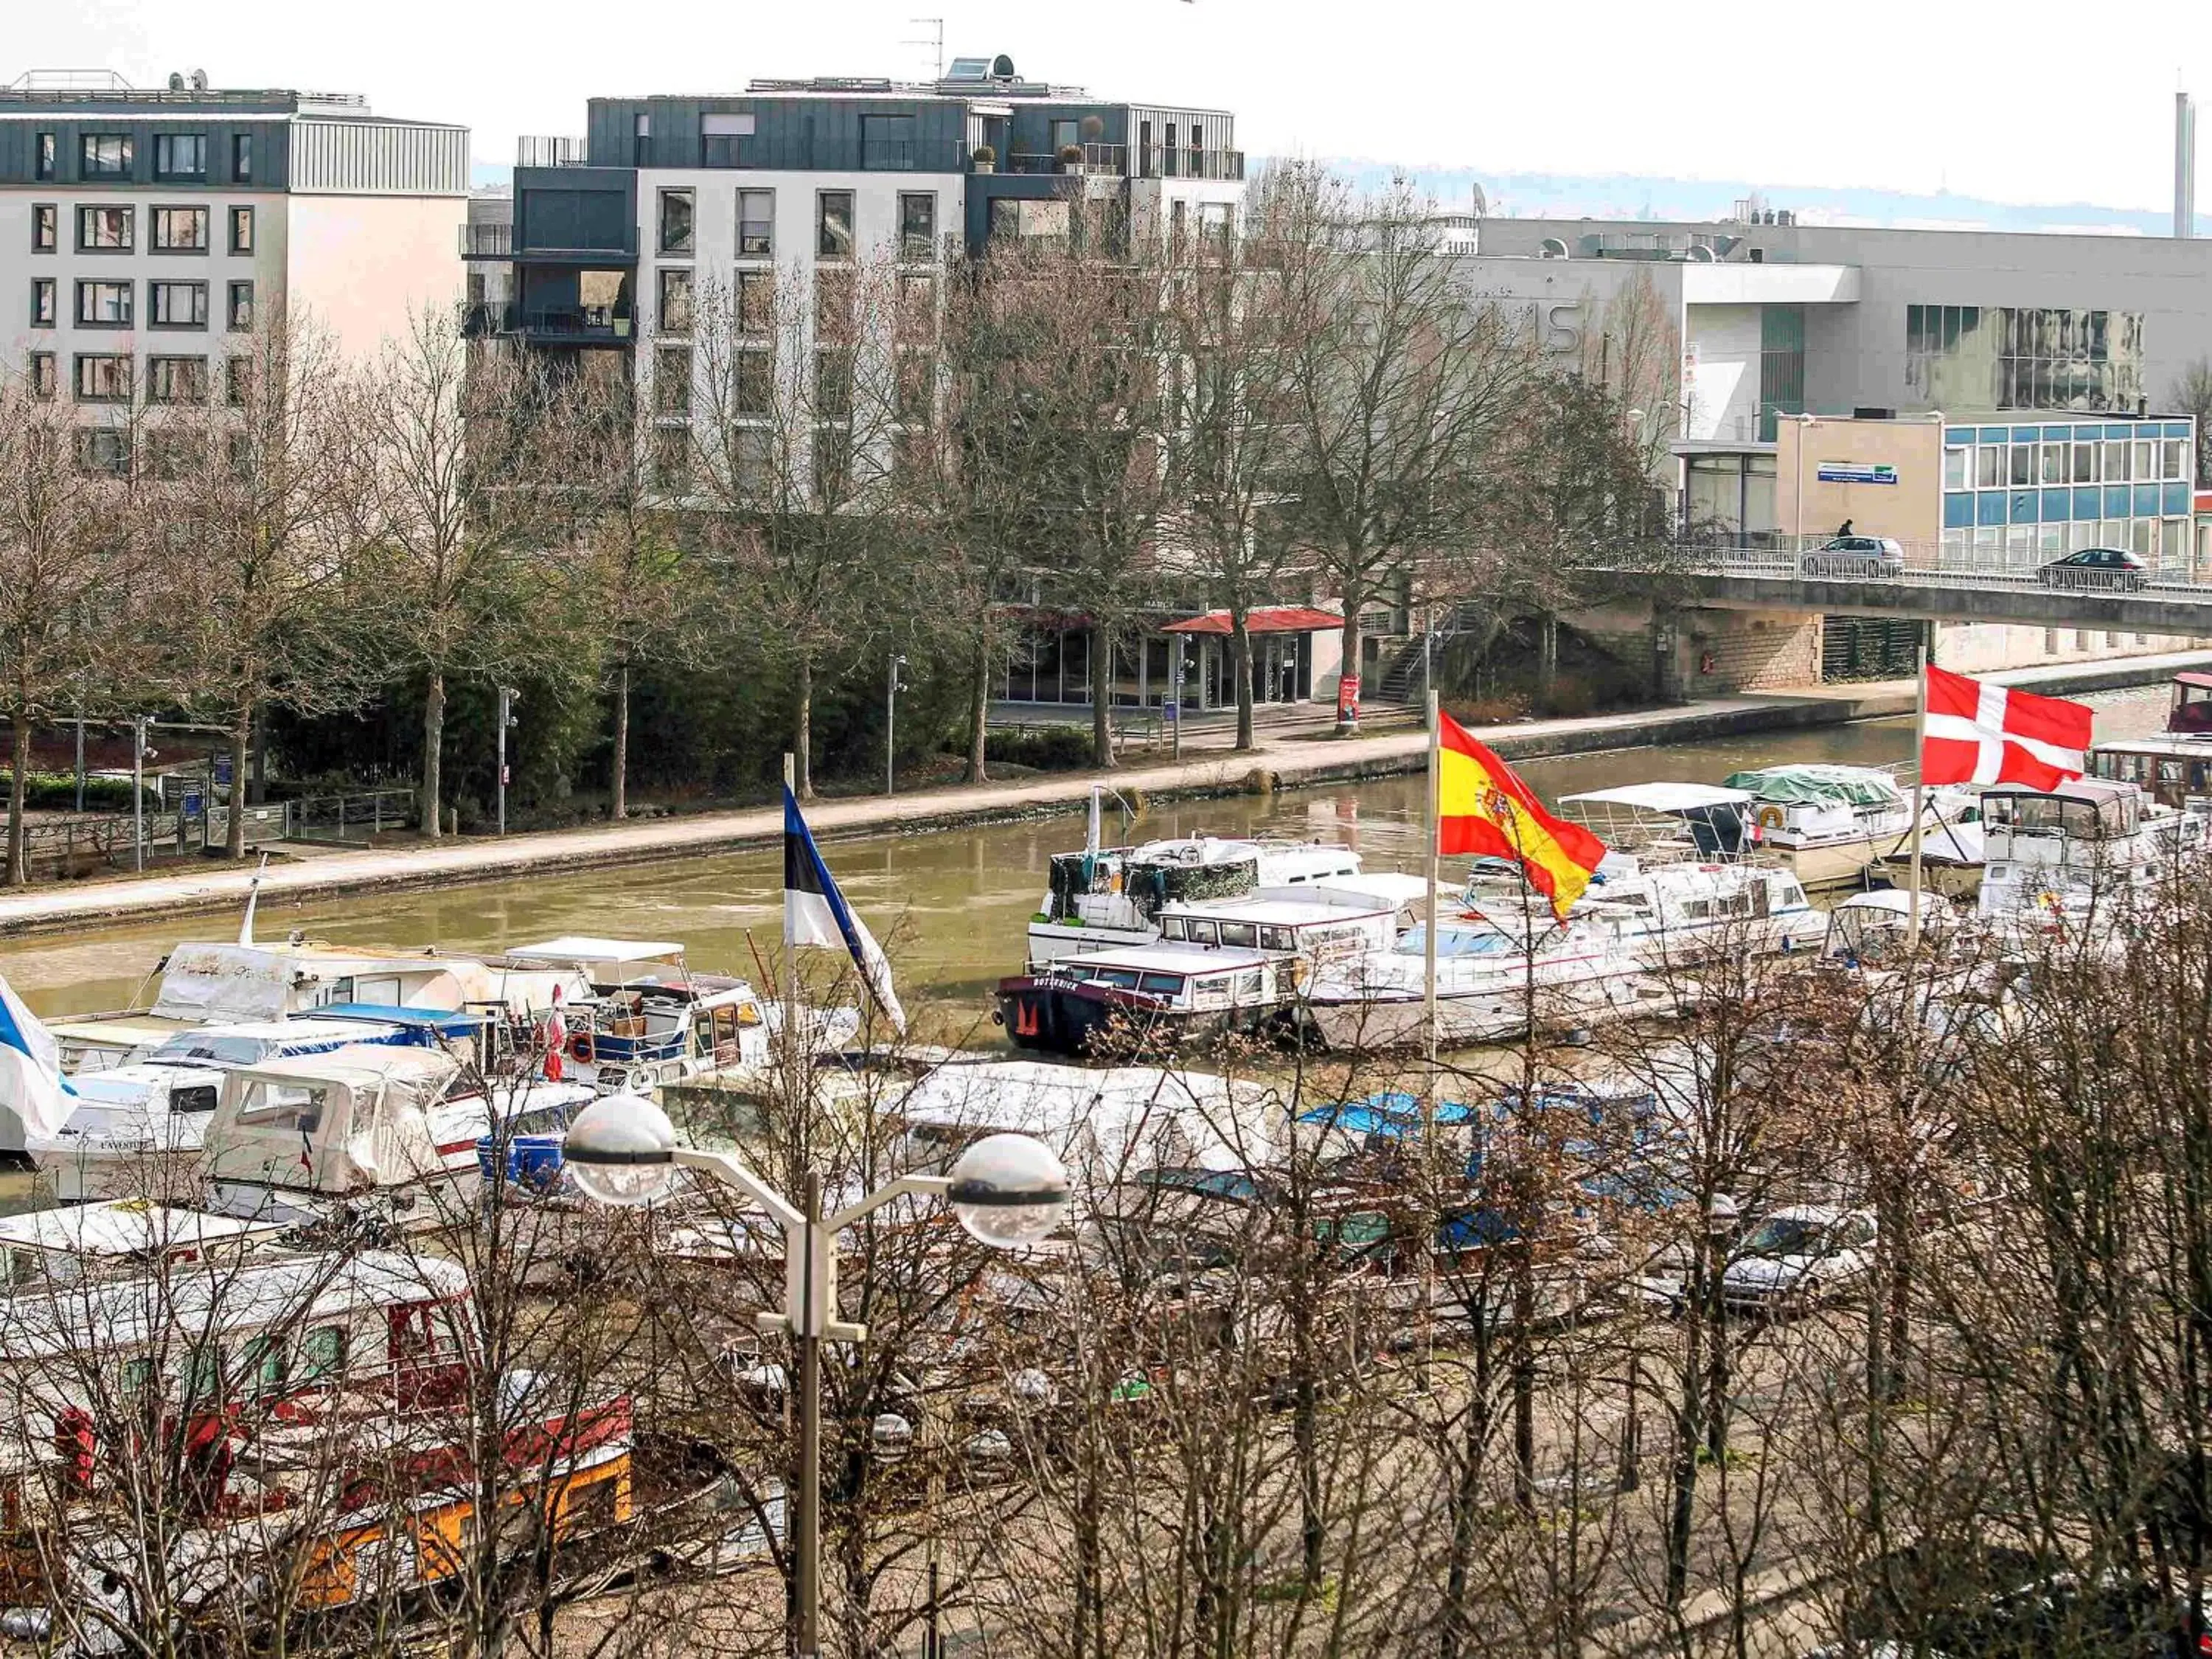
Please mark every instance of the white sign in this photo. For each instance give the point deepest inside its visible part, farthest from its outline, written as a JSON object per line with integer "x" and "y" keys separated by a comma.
{"x": 1869, "y": 473}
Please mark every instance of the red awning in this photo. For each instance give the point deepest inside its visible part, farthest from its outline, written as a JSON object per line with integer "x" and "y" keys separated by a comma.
{"x": 2193, "y": 676}
{"x": 1264, "y": 619}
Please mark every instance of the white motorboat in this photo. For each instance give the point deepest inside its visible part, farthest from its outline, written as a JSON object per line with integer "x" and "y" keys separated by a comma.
{"x": 387, "y": 1126}
{"x": 1826, "y": 824}
{"x": 1107, "y": 898}
{"x": 1496, "y": 970}
{"x": 645, "y": 1018}
{"x": 1670, "y": 914}
{"x": 2082, "y": 853}
{"x": 1236, "y": 964}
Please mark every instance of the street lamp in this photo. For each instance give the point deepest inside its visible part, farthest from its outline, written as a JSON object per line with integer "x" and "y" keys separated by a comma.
{"x": 892, "y": 686}
{"x": 1007, "y": 1190}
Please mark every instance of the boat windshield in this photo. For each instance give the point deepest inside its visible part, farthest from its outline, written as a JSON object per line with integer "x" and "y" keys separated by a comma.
{"x": 1453, "y": 943}
{"x": 195, "y": 1047}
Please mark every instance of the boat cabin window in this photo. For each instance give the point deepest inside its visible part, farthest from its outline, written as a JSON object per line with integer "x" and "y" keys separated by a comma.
{"x": 2054, "y": 815}
{"x": 1250, "y": 984}
{"x": 1122, "y": 979}
{"x": 200, "y": 1098}
{"x": 421, "y": 1332}
{"x": 1242, "y": 935}
{"x": 1172, "y": 929}
{"x": 1202, "y": 933}
{"x": 538, "y": 1121}
{"x": 189, "y": 1046}
{"x": 261, "y": 1366}
{"x": 1277, "y": 938}
{"x": 139, "y": 1377}
{"x": 1163, "y": 985}
{"x": 282, "y": 1106}
{"x": 1211, "y": 991}
{"x": 203, "y": 1375}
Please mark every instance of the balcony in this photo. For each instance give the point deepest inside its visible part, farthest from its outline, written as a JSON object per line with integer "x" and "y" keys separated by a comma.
{"x": 1158, "y": 161}
{"x": 487, "y": 241}
{"x": 561, "y": 324}
{"x": 537, "y": 151}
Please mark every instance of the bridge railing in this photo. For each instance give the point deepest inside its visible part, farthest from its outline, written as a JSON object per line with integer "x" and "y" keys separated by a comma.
{"x": 1782, "y": 554}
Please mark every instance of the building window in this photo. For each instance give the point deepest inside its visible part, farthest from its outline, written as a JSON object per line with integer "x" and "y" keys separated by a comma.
{"x": 756, "y": 224}
{"x": 2177, "y": 458}
{"x": 917, "y": 227}
{"x": 833, "y": 384}
{"x": 671, "y": 459}
{"x": 752, "y": 373}
{"x": 104, "y": 452}
{"x": 106, "y": 229}
{"x": 833, "y": 466}
{"x": 833, "y": 224}
{"x": 672, "y": 380}
{"x": 887, "y": 142}
{"x": 46, "y": 218}
{"x": 44, "y": 305}
{"x": 718, "y": 138}
{"x": 2024, "y": 357}
{"x": 103, "y": 380}
{"x": 1955, "y": 465}
{"x": 241, "y": 230}
{"x": 104, "y": 155}
{"x": 104, "y": 305}
{"x": 177, "y": 305}
{"x": 176, "y": 380}
{"x": 43, "y": 376}
{"x": 756, "y": 301}
{"x": 917, "y": 309}
{"x": 43, "y": 165}
{"x": 237, "y": 382}
{"x": 241, "y": 158}
{"x": 1063, "y": 136}
{"x": 1989, "y": 466}
{"x": 834, "y": 294}
{"x": 242, "y": 307}
{"x": 179, "y": 155}
{"x": 675, "y": 299}
{"x": 676, "y": 222}
{"x": 917, "y": 379}
{"x": 181, "y": 229}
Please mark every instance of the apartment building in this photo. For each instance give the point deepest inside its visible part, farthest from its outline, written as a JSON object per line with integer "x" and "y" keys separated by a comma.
{"x": 145, "y": 233}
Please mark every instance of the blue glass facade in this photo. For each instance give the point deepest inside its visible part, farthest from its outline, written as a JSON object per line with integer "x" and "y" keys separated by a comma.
{"x": 2032, "y": 492}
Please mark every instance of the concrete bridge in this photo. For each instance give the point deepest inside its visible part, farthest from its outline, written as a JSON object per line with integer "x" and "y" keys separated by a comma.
{"x": 1961, "y": 591}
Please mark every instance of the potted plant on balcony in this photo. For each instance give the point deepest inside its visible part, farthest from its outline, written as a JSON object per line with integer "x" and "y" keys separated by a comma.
{"x": 985, "y": 158}
{"x": 1071, "y": 158}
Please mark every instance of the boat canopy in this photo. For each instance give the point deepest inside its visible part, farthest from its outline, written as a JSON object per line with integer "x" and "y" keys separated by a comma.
{"x": 582, "y": 948}
{"x": 449, "y": 1022}
{"x": 1816, "y": 784}
{"x": 1664, "y": 797}
{"x": 1392, "y": 1112}
{"x": 124, "y": 1227}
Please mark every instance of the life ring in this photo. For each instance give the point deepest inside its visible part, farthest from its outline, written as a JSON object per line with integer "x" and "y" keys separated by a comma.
{"x": 1770, "y": 817}
{"x": 580, "y": 1046}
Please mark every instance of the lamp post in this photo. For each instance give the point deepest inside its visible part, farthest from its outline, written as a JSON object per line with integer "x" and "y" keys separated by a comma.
{"x": 1007, "y": 1190}
{"x": 509, "y": 696}
{"x": 892, "y": 686}
{"x": 139, "y": 754}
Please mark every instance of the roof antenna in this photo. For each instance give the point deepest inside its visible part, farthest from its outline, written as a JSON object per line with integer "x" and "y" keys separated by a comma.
{"x": 935, "y": 42}
{"x": 253, "y": 898}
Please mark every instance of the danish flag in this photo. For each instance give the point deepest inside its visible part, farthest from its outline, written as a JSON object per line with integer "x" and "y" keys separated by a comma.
{"x": 1978, "y": 733}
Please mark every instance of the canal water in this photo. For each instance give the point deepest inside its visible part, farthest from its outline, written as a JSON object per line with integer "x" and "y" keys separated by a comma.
{"x": 950, "y": 905}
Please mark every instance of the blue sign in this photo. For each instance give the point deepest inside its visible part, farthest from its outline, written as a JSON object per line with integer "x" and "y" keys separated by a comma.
{"x": 1172, "y": 711}
{"x": 191, "y": 803}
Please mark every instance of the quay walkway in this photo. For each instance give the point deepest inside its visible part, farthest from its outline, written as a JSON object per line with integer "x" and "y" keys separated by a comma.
{"x": 1286, "y": 757}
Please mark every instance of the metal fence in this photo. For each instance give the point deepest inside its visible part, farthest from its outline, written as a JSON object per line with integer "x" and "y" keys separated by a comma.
{"x": 1778, "y": 553}
{"x": 353, "y": 817}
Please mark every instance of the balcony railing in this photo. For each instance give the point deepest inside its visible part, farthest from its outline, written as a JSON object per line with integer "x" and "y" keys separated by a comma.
{"x": 1158, "y": 161}
{"x": 532, "y": 150}
{"x": 556, "y": 323}
{"x": 487, "y": 241}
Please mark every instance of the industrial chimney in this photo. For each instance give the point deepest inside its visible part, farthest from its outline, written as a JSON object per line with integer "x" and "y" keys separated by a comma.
{"x": 2184, "y": 166}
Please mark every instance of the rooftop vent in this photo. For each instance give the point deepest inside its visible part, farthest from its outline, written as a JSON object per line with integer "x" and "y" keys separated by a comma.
{"x": 1002, "y": 68}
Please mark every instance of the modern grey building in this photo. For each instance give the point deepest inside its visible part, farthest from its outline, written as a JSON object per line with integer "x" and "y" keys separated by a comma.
{"x": 145, "y": 233}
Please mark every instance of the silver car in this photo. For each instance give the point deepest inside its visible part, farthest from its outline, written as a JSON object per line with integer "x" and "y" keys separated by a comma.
{"x": 1854, "y": 556}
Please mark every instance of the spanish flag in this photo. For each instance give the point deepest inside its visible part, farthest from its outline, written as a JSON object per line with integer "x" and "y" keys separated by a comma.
{"x": 1484, "y": 811}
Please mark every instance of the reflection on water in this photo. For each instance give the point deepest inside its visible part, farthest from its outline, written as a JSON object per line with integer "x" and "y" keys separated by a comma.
{"x": 950, "y": 905}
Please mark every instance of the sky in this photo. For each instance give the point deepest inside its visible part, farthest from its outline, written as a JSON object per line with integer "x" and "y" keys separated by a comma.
{"x": 1911, "y": 97}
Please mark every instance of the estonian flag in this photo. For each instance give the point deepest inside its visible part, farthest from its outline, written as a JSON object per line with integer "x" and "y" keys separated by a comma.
{"x": 815, "y": 912}
{"x": 31, "y": 1080}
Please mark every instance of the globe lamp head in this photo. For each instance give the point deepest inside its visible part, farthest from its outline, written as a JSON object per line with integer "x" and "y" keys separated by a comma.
{"x": 621, "y": 1150}
{"x": 1008, "y": 1190}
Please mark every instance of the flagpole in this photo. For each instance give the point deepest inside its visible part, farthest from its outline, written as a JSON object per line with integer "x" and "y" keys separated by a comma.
{"x": 1919, "y": 750}
{"x": 1429, "y": 934}
{"x": 790, "y": 956}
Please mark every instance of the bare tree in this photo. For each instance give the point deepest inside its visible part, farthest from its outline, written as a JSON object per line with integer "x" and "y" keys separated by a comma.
{"x": 459, "y": 493}
{"x": 68, "y": 603}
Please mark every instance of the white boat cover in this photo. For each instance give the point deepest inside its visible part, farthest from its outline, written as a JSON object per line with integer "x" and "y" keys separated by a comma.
{"x": 1664, "y": 797}
{"x": 579, "y": 947}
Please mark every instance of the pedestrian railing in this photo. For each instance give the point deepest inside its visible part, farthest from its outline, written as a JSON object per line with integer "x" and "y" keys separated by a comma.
{"x": 352, "y": 818}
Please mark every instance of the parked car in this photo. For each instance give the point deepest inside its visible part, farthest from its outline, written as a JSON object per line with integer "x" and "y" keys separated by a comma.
{"x": 1799, "y": 1256}
{"x": 2099, "y": 567}
{"x": 1854, "y": 556}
